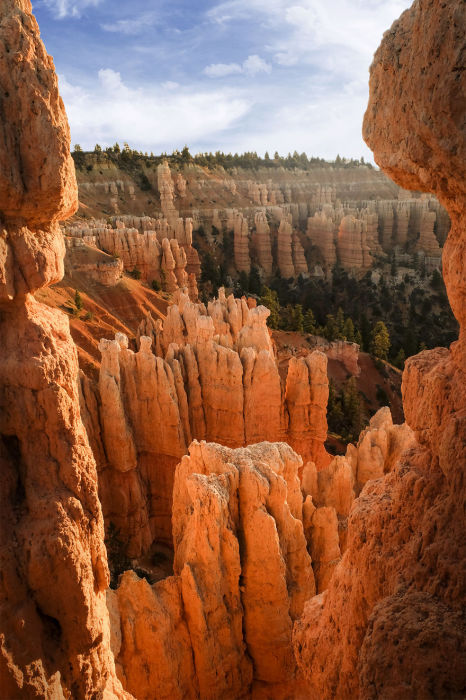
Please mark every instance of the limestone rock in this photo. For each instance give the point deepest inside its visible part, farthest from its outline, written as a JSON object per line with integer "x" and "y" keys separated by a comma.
{"x": 211, "y": 374}
{"x": 241, "y": 243}
{"x": 350, "y": 243}
{"x": 299, "y": 259}
{"x": 405, "y": 555}
{"x": 320, "y": 231}
{"x": 37, "y": 180}
{"x": 380, "y": 447}
{"x": 262, "y": 242}
{"x": 260, "y": 498}
{"x": 154, "y": 657}
{"x": 284, "y": 257}
{"x": 54, "y": 623}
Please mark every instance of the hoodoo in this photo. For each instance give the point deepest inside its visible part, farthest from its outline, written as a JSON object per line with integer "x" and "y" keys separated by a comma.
{"x": 54, "y": 625}
{"x": 391, "y": 621}
{"x": 246, "y": 561}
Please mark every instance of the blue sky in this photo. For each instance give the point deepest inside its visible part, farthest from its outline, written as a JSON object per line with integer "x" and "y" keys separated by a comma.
{"x": 234, "y": 75}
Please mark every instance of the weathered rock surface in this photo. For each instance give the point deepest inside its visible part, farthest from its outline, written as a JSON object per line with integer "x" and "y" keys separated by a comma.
{"x": 206, "y": 374}
{"x": 284, "y": 252}
{"x": 262, "y": 242}
{"x": 241, "y": 243}
{"x": 242, "y": 575}
{"x": 398, "y": 593}
{"x": 54, "y": 625}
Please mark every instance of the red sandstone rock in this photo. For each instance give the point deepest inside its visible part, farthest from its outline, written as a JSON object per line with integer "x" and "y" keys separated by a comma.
{"x": 390, "y": 622}
{"x": 37, "y": 180}
{"x": 54, "y": 625}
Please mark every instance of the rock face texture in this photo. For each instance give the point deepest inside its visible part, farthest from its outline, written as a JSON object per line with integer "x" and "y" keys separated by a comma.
{"x": 207, "y": 374}
{"x": 284, "y": 253}
{"x": 242, "y": 574}
{"x": 399, "y": 591}
{"x": 262, "y": 242}
{"x": 241, "y": 243}
{"x": 54, "y": 625}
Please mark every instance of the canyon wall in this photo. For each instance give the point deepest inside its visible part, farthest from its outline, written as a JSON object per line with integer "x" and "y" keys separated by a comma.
{"x": 54, "y": 626}
{"x": 150, "y": 248}
{"x": 393, "y": 222}
{"x": 391, "y": 621}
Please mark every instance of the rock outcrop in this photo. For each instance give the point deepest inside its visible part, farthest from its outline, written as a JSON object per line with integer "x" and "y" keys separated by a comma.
{"x": 211, "y": 374}
{"x": 54, "y": 625}
{"x": 320, "y": 230}
{"x": 241, "y": 243}
{"x": 223, "y": 622}
{"x": 391, "y": 621}
{"x": 284, "y": 254}
{"x": 262, "y": 243}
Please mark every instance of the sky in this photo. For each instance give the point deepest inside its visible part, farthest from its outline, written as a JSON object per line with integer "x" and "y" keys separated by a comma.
{"x": 231, "y": 75}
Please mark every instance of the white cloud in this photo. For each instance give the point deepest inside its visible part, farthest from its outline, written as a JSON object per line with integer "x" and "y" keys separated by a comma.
{"x": 170, "y": 85}
{"x": 343, "y": 32}
{"x": 255, "y": 64}
{"x": 110, "y": 80}
{"x": 131, "y": 26}
{"x": 149, "y": 117}
{"x": 251, "y": 66}
{"x": 220, "y": 70}
{"x": 69, "y": 8}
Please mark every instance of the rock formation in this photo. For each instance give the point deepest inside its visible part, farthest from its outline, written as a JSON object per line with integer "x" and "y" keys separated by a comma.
{"x": 81, "y": 258}
{"x": 155, "y": 256}
{"x": 284, "y": 256}
{"x": 241, "y": 243}
{"x": 223, "y": 622}
{"x": 352, "y": 250}
{"x": 299, "y": 259}
{"x": 54, "y": 625}
{"x": 214, "y": 376}
{"x": 320, "y": 231}
{"x": 167, "y": 192}
{"x": 262, "y": 244}
{"x": 427, "y": 242}
{"x": 391, "y": 621}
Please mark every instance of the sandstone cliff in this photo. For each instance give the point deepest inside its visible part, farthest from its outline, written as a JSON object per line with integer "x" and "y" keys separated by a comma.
{"x": 391, "y": 622}
{"x": 54, "y": 626}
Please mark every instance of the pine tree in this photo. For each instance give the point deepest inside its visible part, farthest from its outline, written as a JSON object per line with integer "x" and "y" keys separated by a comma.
{"x": 348, "y": 330}
{"x": 269, "y": 299}
{"x": 340, "y": 322}
{"x": 380, "y": 341}
{"x": 331, "y": 329}
{"x": 78, "y": 302}
{"x": 309, "y": 323}
{"x": 298, "y": 318}
{"x": 352, "y": 408}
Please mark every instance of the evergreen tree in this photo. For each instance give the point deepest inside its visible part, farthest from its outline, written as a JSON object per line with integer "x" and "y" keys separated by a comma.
{"x": 340, "y": 322}
{"x": 352, "y": 408}
{"x": 348, "y": 330}
{"x": 298, "y": 318}
{"x": 309, "y": 323}
{"x": 269, "y": 299}
{"x": 331, "y": 328}
{"x": 78, "y": 302}
{"x": 380, "y": 341}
